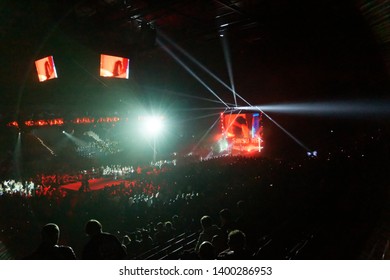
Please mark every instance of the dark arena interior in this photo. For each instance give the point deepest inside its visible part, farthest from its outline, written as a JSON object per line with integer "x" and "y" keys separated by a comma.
{"x": 182, "y": 125}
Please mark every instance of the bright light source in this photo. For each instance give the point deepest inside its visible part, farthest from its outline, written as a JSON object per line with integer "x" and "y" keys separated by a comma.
{"x": 223, "y": 144}
{"x": 153, "y": 125}
{"x": 312, "y": 154}
{"x": 222, "y": 32}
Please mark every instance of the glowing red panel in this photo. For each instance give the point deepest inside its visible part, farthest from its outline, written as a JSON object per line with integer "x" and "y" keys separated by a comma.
{"x": 29, "y": 123}
{"x": 84, "y": 120}
{"x": 46, "y": 68}
{"x": 14, "y": 123}
{"x": 108, "y": 120}
{"x": 236, "y": 126}
{"x": 56, "y": 122}
{"x": 243, "y": 132}
{"x": 41, "y": 123}
{"x": 114, "y": 66}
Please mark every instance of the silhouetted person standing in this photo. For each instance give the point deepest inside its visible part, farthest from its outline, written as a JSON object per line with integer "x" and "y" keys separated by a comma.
{"x": 236, "y": 250}
{"x": 49, "y": 248}
{"x": 227, "y": 222}
{"x": 146, "y": 242}
{"x": 209, "y": 229}
{"x": 101, "y": 245}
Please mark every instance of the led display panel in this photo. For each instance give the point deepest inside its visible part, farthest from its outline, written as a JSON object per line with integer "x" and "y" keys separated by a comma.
{"x": 46, "y": 68}
{"x": 114, "y": 66}
{"x": 243, "y": 132}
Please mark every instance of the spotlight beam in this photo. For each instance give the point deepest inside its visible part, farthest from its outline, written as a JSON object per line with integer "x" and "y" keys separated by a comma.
{"x": 230, "y": 89}
{"x": 191, "y": 96}
{"x": 75, "y": 140}
{"x": 276, "y": 123}
{"x": 235, "y": 117}
{"x": 233, "y": 7}
{"x": 89, "y": 73}
{"x": 206, "y": 133}
{"x": 200, "y": 65}
{"x": 189, "y": 71}
{"x": 341, "y": 108}
{"x": 201, "y": 117}
{"x": 200, "y": 109}
{"x": 226, "y": 52}
{"x": 17, "y": 156}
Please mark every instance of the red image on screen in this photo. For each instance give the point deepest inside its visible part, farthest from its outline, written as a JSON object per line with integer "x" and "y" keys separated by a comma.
{"x": 46, "y": 68}
{"x": 243, "y": 132}
{"x": 114, "y": 66}
{"x": 237, "y": 126}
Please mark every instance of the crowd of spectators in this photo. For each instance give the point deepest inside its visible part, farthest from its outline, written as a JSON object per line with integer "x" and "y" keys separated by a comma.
{"x": 119, "y": 171}
{"x": 96, "y": 149}
{"x": 232, "y": 203}
{"x": 45, "y": 184}
{"x": 26, "y": 188}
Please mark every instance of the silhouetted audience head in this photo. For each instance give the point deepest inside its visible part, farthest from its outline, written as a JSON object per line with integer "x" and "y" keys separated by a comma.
{"x": 50, "y": 234}
{"x": 206, "y": 251}
{"x": 93, "y": 227}
{"x": 175, "y": 218}
{"x": 241, "y": 206}
{"x": 159, "y": 226}
{"x": 206, "y": 222}
{"x": 126, "y": 240}
{"x": 145, "y": 234}
{"x": 236, "y": 240}
{"x": 225, "y": 215}
{"x": 177, "y": 223}
{"x": 236, "y": 250}
{"x": 49, "y": 248}
{"x": 209, "y": 229}
{"x": 219, "y": 243}
{"x": 168, "y": 225}
{"x": 102, "y": 245}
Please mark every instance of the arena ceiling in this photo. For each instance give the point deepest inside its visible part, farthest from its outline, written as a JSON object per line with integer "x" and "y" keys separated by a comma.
{"x": 280, "y": 51}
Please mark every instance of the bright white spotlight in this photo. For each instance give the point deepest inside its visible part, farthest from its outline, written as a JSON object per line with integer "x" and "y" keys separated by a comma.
{"x": 153, "y": 125}
{"x": 312, "y": 154}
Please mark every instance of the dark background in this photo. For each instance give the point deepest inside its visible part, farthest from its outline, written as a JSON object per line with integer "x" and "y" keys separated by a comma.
{"x": 281, "y": 52}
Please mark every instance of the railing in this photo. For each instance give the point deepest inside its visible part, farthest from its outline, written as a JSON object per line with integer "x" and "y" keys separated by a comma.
{"x": 145, "y": 255}
{"x": 170, "y": 247}
{"x": 386, "y": 251}
{"x": 188, "y": 244}
{"x": 4, "y": 254}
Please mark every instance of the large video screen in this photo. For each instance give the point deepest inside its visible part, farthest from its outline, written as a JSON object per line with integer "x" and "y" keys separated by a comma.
{"x": 114, "y": 66}
{"x": 46, "y": 68}
{"x": 243, "y": 131}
